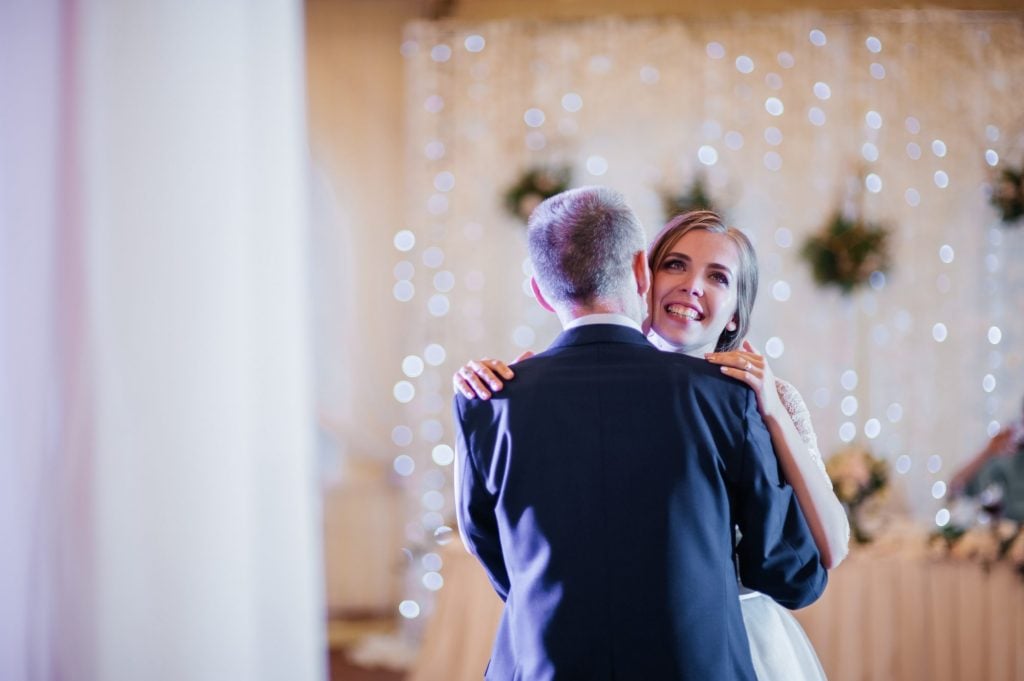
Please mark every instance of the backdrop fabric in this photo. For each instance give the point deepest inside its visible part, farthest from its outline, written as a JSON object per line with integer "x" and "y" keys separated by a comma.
{"x": 159, "y": 504}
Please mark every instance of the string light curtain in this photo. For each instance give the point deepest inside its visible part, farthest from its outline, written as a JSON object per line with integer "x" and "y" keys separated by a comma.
{"x": 900, "y": 117}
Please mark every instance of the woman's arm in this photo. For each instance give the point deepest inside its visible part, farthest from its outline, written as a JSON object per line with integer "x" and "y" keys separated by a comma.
{"x": 797, "y": 452}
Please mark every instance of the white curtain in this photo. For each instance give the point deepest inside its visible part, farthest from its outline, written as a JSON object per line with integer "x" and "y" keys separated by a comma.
{"x": 159, "y": 507}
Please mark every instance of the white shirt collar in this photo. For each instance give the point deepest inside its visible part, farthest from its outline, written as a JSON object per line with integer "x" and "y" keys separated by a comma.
{"x": 660, "y": 343}
{"x": 603, "y": 318}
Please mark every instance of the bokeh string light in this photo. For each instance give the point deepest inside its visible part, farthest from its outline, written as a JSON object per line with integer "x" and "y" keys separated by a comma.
{"x": 780, "y": 115}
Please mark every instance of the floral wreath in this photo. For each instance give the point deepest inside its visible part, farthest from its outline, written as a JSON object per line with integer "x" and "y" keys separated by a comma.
{"x": 1008, "y": 194}
{"x": 694, "y": 197}
{"x": 533, "y": 187}
{"x": 845, "y": 253}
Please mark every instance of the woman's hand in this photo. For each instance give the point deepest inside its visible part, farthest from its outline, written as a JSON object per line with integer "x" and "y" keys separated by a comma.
{"x": 475, "y": 377}
{"x": 750, "y": 366}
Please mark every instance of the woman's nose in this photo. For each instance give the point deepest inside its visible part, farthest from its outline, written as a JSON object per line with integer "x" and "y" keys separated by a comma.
{"x": 691, "y": 284}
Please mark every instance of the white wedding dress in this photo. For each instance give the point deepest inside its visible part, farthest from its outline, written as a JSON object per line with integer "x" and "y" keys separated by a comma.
{"x": 779, "y": 647}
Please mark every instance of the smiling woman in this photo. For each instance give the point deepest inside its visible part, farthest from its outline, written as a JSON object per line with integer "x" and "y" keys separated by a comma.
{"x": 705, "y": 283}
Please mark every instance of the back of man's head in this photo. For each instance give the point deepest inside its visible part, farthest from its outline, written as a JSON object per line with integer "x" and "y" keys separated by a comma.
{"x": 582, "y": 244}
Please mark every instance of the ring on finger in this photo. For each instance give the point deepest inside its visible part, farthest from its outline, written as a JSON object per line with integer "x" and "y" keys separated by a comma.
{"x": 748, "y": 366}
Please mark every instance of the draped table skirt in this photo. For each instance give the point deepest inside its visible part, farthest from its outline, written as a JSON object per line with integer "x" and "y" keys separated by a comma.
{"x": 890, "y": 613}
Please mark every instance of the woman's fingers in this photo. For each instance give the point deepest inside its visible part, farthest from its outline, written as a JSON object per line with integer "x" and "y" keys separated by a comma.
{"x": 747, "y": 361}
{"x": 527, "y": 354}
{"x": 750, "y": 378}
{"x": 479, "y": 378}
{"x": 487, "y": 369}
{"x": 755, "y": 353}
{"x": 763, "y": 381}
{"x": 485, "y": 374}
{"x": 499, "y": 367}
{"x": 467, "y": 378}
{"x": 748, "y": 367}
{"x": 459, "y": 385}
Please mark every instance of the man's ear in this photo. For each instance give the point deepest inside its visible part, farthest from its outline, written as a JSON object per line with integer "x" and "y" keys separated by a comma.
{"x": 641, "y": 273}
{"x": 540, "y": 296}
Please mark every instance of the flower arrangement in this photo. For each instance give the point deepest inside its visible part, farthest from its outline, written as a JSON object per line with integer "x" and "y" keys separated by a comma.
{"x": 857, "y": 477}
{"x": 1008, "y": 194}
{"x": 985, "y": 544}
{"x": 1015, "y": 552}
{"x": 535, "y": 185}
{"x": 844, "y": 253}
{"x": 694, "y": 197}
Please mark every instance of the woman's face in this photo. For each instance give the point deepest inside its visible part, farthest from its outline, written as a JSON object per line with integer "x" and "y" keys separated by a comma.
{"x": 694, "y": 292}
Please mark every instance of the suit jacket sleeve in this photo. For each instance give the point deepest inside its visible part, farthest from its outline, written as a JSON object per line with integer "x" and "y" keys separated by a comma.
{"x": 474, "y": 503}
{"x": 776, "y": 553}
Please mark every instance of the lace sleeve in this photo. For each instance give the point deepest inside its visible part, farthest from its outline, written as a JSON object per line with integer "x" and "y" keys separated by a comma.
{"x": 797, "y": 410}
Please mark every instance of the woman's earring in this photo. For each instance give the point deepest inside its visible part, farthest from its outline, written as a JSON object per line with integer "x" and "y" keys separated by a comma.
{"x": 731, "y": 326}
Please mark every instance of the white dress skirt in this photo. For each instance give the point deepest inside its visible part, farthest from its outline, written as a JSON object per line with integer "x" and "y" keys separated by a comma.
{"x": 779, "y": 647}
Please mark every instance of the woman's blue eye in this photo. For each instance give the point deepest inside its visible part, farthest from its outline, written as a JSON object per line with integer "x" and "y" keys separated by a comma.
{"x": 720, "y": 278}
{"x": 673, "y": 264}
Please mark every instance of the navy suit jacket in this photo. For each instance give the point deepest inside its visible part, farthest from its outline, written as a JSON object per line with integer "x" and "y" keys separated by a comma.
{"x": 600, "y": 489}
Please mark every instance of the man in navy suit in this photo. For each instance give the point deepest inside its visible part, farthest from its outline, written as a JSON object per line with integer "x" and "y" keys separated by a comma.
{"x": 601, "y": 488}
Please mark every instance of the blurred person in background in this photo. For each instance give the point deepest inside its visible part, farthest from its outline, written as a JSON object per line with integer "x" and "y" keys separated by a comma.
{"x": 995, "y": 476}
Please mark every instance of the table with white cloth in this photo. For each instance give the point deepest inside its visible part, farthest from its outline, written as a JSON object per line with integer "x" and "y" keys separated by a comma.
{"x": 890, "y": 613}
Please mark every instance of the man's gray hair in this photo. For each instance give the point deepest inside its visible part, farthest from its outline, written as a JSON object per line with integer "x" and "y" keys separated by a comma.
{"x": 582, "y": 243}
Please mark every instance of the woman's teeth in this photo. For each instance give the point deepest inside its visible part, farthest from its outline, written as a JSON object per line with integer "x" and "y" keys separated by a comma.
{"x": 684, "y": 311}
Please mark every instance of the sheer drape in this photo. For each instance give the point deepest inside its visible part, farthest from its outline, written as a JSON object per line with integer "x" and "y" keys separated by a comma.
{"x": 159, "y": 510}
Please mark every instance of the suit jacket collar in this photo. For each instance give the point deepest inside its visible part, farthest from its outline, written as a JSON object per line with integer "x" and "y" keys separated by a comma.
{"x": 599, "y": 333}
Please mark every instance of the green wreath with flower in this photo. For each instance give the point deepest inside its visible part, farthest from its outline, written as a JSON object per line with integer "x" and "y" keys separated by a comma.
{"x": 1008, "y": 195}
{"x": 694, "y": 197}
{"x": 845, "y": 253}
{"x": 533, "y": 187}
